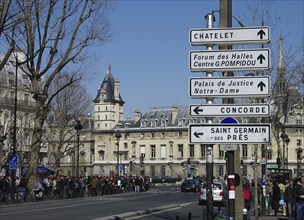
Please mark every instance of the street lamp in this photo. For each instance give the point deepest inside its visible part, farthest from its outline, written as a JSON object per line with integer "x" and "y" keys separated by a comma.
{"x": 299, "y": 152}
{"x": 117, "y": 136}
{"x": 285, "y": 140}
{"x": 78, "y": 127}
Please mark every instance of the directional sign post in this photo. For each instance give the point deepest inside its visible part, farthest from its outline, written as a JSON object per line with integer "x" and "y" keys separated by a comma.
{"x": 228, "y": 36}
{"x": 229, "y": 133}
{"x": 230, "y": 87}
{"x": 229, "y": 60}
{"x": 242, "y": 110}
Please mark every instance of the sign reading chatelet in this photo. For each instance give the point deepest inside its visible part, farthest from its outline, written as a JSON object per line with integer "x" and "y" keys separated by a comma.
{"x": 227, "y": 36}
{"x": 229, "y": 133}
{"x": 230, "y": 60}
{"x": 229, "y": 86}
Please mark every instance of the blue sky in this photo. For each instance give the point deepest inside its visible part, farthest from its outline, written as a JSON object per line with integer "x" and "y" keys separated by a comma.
{"x": 150, "y": 47}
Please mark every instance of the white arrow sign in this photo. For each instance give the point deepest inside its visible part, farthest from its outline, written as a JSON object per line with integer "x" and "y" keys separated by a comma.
{"x": 248, "y": 110}
{"x": 227, "y": 36}
{"x": 229, "y": 133}
{"x": 229, "y": 86}
{"x": 229, "y": 60}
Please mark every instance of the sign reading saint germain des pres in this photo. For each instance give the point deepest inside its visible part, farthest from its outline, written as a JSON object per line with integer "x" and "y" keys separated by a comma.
{"x": 229, "y": 133}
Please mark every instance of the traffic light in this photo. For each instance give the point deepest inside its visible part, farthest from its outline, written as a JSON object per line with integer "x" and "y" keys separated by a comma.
{"x": 188, "y": 161}
{"x": 225, "y": 156}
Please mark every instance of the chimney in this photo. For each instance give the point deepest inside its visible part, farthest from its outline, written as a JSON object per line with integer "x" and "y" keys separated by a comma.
{"x": 174, "y": 113}
{"x": 137, "y": 116}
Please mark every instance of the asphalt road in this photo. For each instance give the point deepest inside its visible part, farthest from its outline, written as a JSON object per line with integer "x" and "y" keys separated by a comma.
{"x": 157, "y": 204}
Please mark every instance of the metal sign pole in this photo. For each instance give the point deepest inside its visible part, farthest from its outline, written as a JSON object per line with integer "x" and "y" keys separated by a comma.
{"x": 209, "y": 160}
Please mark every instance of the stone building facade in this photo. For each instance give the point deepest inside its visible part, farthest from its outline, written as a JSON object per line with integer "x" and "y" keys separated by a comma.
{"x": 156, "y": 142}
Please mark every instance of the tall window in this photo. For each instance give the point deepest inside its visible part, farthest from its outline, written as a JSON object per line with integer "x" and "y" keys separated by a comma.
{"x": 244, "y": 150}
{"x": 101, "y": 154}
{"x": 153, "y": 151}
{"x": 163, "y": 170}
{"x": 298, "y": 119}
{"x": 221, "y": 153}
{"x": 221, "y": 170}
{"x": 269, "y": 154}
{"x": 125, "y": 156}
{"x": 152, "y": 170}
{"x": 143, "y": 150}
{"x": 180, "y": 150}
{"x": 245, "y": 170}
{"x": 191, "y": 150}
{"x": 203, "y": 150}
{"x": 163, "y": 151}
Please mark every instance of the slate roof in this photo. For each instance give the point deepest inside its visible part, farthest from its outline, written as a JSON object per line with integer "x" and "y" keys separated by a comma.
{"x": 107, "y": 88}
{"x": 160, "y": 117}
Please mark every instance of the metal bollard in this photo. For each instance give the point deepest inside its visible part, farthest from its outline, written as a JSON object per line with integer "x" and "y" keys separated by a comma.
{"x": 177, "y": 217}
{"x": 244, "y": 214}
{"x": 189, "y": 215}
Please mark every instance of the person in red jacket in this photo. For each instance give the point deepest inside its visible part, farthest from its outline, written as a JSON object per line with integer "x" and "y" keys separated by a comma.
{"x": 247, "y": 197}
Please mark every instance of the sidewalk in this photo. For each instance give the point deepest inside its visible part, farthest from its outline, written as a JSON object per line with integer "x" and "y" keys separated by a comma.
{"x": 270, "y": 218}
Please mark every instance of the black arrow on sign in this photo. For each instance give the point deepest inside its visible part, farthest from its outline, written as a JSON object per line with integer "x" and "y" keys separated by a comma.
{"x": 197, "y": 110}
{"x": 197, "y": 134}
{"x": 261, "y": 85}
{"x": 261, "y": 58}
{"x": 261, "y": 33}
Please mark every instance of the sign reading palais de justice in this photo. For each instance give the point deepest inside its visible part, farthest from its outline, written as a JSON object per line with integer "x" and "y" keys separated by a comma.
{"x": 225, "y": 36}
{"x": 229, "y": 86}
{"x": 248, "y": 110}
{"x": 229, "y": 60}
{"x": 229, "y": 133}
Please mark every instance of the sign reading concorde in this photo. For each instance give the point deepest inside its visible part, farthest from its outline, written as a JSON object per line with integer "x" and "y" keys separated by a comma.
{"x": 229, "y": 133}
{"x": 248, "y": 110}
{"x": 229, "y": 60}
{"x": 222, "y": 36}
{"x": 229, "y": 86}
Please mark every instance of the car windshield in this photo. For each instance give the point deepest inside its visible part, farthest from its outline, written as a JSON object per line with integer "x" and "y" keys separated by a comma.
{"x": 216, "y": 186}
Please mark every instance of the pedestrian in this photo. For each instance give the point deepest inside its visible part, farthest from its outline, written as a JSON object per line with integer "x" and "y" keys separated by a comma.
{"x": 136, "y": 184}
{"x": 290, "y": 199}
{"x": 276, "y": 197}
{"x": 299, "y": 194}
{"x": 247, "y": 197}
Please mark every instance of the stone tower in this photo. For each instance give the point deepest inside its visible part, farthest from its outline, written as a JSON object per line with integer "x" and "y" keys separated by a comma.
{"x": 108, "y": 104}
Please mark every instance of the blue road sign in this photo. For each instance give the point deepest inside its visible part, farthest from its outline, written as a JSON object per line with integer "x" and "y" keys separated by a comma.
{"x": 229, "y": 120}
{"x": 13, "y": 165}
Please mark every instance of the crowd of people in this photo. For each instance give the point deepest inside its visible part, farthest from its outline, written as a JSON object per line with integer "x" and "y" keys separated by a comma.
{"x": 67, "y": 187}
{"x": 283, "y": 196}
{"x": 291, "y": 195}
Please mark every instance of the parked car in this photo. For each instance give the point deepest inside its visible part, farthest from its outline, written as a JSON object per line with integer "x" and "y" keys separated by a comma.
{"x": 156, "y": 179}
{"x": 190, "y": 185}
{"x": 219, "y": 191}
